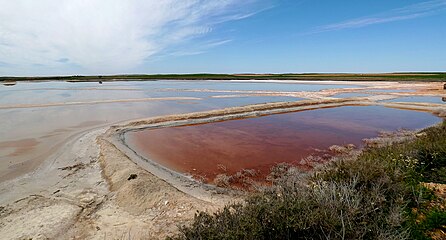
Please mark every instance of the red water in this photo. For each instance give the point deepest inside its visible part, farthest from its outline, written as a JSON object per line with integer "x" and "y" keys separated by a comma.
{"x": 259, "y": 143}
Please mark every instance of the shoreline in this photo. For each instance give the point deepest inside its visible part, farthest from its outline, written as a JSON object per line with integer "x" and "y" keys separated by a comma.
{"x": 116, "y": 134}
{"x": 402, "y": 76}
{"x": 85, "y": 189}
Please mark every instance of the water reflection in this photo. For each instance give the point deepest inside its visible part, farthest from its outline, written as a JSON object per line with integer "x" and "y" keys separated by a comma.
{"x": 421, "y": 99}
{"x": 260, "y": 143}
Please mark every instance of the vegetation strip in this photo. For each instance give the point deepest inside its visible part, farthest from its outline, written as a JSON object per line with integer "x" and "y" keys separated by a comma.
{"x": 432, "y": 77}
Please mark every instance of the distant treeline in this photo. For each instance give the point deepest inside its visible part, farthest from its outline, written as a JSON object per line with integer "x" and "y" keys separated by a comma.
{"x": 431, "y": 76}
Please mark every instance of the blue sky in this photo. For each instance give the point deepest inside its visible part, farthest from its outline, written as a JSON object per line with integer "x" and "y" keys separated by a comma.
{"x": 190, "y": 36}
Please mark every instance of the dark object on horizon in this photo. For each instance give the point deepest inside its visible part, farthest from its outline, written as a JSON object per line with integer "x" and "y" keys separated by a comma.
{"x": 100, "y": 82}
{"x": 443, "y": 99}
{"x": 9, "y": 84}
{"x": 132, "y": 176}
{"x": 444, "y": 86}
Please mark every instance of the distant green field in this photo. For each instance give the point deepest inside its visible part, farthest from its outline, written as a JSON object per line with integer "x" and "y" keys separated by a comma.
{"x": 438, "y": 77}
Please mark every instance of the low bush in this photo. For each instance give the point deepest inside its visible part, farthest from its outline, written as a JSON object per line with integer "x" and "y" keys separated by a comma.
{"x": 378, "y": 195}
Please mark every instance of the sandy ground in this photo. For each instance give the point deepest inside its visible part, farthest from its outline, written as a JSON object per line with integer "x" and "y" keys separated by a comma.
{"x": 95, "y": 187}
{"x": 85, "y": 193}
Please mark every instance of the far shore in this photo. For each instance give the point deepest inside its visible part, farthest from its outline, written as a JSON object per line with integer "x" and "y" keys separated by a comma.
{"x": 402, "y": 76}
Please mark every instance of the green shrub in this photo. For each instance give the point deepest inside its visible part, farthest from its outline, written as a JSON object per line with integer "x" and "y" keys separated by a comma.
{"x": 376, "y": 196}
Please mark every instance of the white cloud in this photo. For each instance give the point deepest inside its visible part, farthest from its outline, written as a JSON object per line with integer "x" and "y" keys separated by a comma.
{"x": 196, "y": 49}
{"x": 405, "y": 13}
{"x": 105, "y": 36}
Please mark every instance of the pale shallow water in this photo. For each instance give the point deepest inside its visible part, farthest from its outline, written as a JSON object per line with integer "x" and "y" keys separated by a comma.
{"x": 49, "y": 92}
{"x": 390, "y": 90}
{"x": 28, "y": 135}
{"x": 420, "y": 99}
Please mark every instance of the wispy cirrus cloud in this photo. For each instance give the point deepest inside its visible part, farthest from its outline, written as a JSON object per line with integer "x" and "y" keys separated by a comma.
{"x": 201, "y": 48}
{"x": 405, "y": 13}
{"x": 105, "y": 36}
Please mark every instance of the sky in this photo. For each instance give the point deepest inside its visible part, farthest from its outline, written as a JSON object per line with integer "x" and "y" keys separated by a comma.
{"x": 99, "y": 37}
